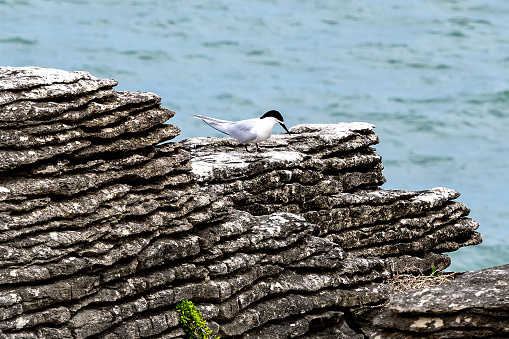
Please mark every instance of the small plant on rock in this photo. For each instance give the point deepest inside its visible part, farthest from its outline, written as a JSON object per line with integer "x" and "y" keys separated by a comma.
{"x": 192, "y": 321}
{"x": 434, "y": 272}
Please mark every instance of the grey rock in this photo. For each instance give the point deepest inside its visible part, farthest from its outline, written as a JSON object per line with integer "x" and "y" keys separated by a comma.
{"x": 294, "y": 304}
{"x": 130, "y": 110}
{"x": 475, "y": 304}
{"x": 301, "y": 326}
{"x": 23, "y": 78}
{"x": 10, "y": 159}
{"x": 35, "y": 83}
{"x": 104, "y": 226}
{"x": 20, "y": 114}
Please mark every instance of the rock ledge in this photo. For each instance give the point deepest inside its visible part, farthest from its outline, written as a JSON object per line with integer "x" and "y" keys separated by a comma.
{"x": 104, "y": 228}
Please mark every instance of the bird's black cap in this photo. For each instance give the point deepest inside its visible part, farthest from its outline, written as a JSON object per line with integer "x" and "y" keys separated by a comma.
{"x": 274, "y": 114}
{"x": 278, "y": 116}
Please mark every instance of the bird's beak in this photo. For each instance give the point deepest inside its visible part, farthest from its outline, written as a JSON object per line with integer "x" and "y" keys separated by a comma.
{"x": 286, "y": 129}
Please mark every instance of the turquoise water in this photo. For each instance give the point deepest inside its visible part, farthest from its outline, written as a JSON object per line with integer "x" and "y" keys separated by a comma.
{"x": 433, "y": 76}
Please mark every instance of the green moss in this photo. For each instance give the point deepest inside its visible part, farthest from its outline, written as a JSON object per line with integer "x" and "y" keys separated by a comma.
{"x": 192, "y": 321}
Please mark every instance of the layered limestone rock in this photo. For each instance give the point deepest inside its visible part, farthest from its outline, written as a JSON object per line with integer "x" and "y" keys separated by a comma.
{"x": 103, "y": 228}
{"x": 474, "y": 305}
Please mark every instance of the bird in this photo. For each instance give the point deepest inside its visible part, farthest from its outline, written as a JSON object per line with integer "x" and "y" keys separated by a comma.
{"x": 247, "y": 131}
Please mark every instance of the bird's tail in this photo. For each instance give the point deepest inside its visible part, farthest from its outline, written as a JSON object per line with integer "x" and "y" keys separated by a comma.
{"x": 217, "y": 124}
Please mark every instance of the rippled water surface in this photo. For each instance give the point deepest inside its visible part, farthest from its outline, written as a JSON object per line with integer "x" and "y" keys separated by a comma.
{"x": 431, "y": 75}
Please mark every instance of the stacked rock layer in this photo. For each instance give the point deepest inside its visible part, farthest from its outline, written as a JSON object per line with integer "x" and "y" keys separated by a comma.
{"x": 474, "y": 305}
{"x": 103, "y": 229}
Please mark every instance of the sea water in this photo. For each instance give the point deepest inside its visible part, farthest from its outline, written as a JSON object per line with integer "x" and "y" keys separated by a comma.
{"x": 432, "y": 75}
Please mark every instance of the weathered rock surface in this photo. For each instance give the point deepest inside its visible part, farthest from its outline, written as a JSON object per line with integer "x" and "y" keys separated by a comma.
{"x": 103, "y": 229}
{"x": 474, "y": 305}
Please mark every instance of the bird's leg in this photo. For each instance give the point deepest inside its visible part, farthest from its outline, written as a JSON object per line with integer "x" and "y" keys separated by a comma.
{"x": 257, "y": 148}
{"x": 246, "y": 148}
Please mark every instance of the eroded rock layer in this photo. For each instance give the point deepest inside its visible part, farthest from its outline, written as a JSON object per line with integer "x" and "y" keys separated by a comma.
{"x": 474, "y": 305}
{"x": 103, "y": 229}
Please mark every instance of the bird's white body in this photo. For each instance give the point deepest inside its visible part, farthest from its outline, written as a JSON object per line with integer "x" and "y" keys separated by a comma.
{"x": 244, "y": 131}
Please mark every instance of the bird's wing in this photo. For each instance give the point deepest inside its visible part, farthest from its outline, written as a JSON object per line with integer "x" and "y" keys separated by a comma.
{"x": 220, "y": 125}
{"x": 243, "y": 131}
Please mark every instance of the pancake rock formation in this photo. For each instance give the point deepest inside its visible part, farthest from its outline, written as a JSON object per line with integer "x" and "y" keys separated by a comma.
{"x": 474, "y": 305}
{"x": 104, "y": 228}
